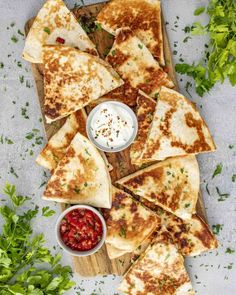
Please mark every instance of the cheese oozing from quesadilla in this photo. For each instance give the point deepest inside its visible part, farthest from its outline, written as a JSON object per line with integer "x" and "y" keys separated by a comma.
{"x": 177, "y": 129}
{"x": 145, "y": 112}
{"x": 72, "y": 79}
{"x": 81, "y": 177}
{"x": 57, "y": 145}
{"x": 136, "y": 65}
{"x": 143, "y": 17}
{"x": 55, "y": 24}
{"x": 172, "y": 184}
{"x": 128, "y": 224}
{"x": 158, "y": 271}
{"x": 191, "y": 237}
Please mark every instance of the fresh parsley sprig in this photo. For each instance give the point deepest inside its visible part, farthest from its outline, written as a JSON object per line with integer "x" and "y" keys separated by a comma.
{"x": 21, "y": 252}
{"x": 219, "y": 61}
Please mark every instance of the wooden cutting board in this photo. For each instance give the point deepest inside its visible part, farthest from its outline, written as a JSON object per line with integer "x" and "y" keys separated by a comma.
{"x": 99, "y": 263}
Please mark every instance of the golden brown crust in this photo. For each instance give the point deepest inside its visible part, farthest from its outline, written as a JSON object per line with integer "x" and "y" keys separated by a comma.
{"x": 177, "y": 129}
{"x": 143, "y": 17}
{"x": 129, "y": 55}
{"x": 145, "y": 111}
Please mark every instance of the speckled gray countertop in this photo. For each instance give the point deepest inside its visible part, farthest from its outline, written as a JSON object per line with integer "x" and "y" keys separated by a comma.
{"x": 213, "y": 273}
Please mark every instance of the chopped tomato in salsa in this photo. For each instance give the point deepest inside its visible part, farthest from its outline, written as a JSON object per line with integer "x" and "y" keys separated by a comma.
{"x": 81, "y": 229}
{"x": 60, "y": 40}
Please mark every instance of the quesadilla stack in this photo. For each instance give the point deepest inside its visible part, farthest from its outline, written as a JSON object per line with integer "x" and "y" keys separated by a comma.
{"x": 192, "y": 236}
{"x": 128, "y": 224}
{"x": 55, "y": 24}
{"x": 177, "y": 129}
{"x": 57, "y": 145}
{"x": 145, "y": 112}
{"x": 80, "y": 177}
{"x": 129, "y": 55}
{"x": 73, "y": 79}
{"x": 158, "y": 271}
{"x": 172, "y": 184}
{"x": 143, "y": 17}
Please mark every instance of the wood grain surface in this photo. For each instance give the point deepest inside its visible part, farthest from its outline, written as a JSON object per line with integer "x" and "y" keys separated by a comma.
{"x": 99, "y": 263}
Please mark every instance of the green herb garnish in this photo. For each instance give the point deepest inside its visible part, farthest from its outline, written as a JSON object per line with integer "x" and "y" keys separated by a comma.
{"x": 199, "y": 10}
{"x": 219, "y": 61}
{"x": 27, "y": 266}
{"x": 216, "y": 228}
{"x": 218, "y": 170}
{"x": 47, "y": 30}
{"x": 47, "y": 212}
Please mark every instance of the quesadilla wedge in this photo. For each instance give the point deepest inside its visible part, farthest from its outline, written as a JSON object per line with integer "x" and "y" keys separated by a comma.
{"x": 57, "y": 145}
{"x": 145, "y": 112}
{"x": 136, "y": 65}
{"x": 143, "y": 17}
{"x": 191, "y": 237}
{"x": 172, "y": 184}
{"x": 128, "y": 224}
{"x": 177, "y": 129}
{"x": 55, "y": 24}
{"x": 81, "y": 177}
{"x": 158, "y": 271}
{"x": 73, "y": 79}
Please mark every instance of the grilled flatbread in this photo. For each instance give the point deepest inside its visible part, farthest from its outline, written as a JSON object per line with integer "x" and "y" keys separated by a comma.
{"x": 177, "y": 129}
{"x": 143, "y": 17}
{"x": 136, "y": 65}
{"x": 80, "y": 177}
{"x": 73, "y": 79}
{"x": 172, "y": 184}
{"x": 145, "y": 111}
{"x": 54, "y": 24}
{"x": 159, "y": 271}
{"x": 128, "y": 223}
{"x": 56, "y": 147}
{"x": 191, "y": 237}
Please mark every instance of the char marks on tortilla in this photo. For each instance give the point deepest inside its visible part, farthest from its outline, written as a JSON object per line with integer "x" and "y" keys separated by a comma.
{"x": 73, "y": 79}
{"x": 128, "y": 224}
{"x": 57, "y": 145}
{"x": 54, "y": 23}
{"x": 143, "y": 17}
{"x": 158, "y": 271}
{"x": 81, "y": 177}
{"x": 172, "y": 184}
{"x": 145, "y": 112}
{"x": 136, "y": 65}
{"x": 177, "y": 129}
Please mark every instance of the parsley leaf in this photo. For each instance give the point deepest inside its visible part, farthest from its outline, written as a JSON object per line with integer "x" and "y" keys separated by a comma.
{"x": 218, "y": 170}
{"x": 46, "y": 212}
{"x": 199, "y": 10}
{"x": 27, "y": 266}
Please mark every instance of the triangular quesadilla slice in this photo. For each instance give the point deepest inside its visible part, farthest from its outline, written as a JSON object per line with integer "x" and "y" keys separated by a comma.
{"x": 73, "y": 79}
{"x": 145, "y": 112}
{"x": 128, "y": 223}
{"x": 159, "y": 270}
{"x": 57, "y": 145}
{"x": 55, "y": 24}
{"x": 136, "y": 65}
{"x": 172, "y": 184}
{"x": 143, "y": 17}
{"x": 192, "y": 236}
{"x": 177, "y": 129}
{"x": 81, "y": 177}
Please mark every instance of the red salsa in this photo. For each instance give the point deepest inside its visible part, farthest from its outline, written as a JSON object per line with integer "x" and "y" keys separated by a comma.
{"x": 81, "y": 229}
{"x": 60, "y": 40}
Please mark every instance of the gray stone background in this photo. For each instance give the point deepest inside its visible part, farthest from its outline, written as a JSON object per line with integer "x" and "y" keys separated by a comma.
{"x": 213, "y": 273}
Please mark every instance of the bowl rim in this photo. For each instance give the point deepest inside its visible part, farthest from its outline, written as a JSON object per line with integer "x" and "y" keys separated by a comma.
{"x": 128, "y": 143}
{"x": 75, "y": 252}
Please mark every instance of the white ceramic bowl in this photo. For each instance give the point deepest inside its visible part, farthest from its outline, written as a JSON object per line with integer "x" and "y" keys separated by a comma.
{"x": 120, "y": 148}
{"x": 75, "y": 252}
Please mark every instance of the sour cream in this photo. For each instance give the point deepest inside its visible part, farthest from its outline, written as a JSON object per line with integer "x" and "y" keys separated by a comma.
{"x": 112, "y": 126}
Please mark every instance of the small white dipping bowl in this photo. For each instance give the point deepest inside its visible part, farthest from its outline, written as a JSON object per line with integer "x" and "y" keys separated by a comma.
{"x": 105, "y": 148}
{"x": 75, "y": 252}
